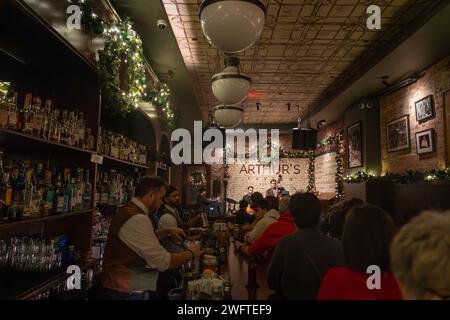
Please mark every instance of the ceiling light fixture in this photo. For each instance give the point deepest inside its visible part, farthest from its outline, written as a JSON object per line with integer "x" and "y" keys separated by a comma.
{"x": 232, "y": 25}
{"x": 230, "y": 86}
{"x": 228, "y": 116}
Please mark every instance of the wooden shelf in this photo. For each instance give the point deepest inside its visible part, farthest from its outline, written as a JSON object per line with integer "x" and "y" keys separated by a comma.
{"x": 14, "y": 140}
{"x": 113, "y": 161}
{"x": 15, "y": 224}
{"x": 28, "y": 284}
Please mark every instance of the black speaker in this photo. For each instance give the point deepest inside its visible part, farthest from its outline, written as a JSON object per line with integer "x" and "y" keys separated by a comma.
{"x": 304, "y": 139}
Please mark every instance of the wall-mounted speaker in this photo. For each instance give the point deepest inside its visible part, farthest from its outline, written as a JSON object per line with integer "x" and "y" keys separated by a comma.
{"x": 304, "y": 139}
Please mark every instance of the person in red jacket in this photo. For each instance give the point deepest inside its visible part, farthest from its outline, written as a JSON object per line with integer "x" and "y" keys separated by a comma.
{"x": 267, "y": 242}
{"x": 368, "y": 232}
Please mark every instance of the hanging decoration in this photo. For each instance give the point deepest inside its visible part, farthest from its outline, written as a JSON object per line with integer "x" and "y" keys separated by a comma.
{"x": 339, "y": 179}
{"x": 407, "y": 177}
{"x": 311, "y": 172}
{"x": 120, "y": 66}
{"x": 197, "y": 179}
{"x": 161, "y": 99}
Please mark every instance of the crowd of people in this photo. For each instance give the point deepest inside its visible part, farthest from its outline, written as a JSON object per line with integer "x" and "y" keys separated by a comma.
{"x": 353, "y": 252}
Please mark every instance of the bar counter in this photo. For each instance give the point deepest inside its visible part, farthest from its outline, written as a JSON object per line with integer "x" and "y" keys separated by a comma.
{"x": 237, "y": 273}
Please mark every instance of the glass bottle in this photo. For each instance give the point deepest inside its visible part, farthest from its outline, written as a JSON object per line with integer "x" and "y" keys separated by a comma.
{"x": 27, "y": 115}
{"x": 14, "y": 115}
{"x": 59, "y": 196}
{"x": 37, "y": 116}
{"x": 87, "y": 191}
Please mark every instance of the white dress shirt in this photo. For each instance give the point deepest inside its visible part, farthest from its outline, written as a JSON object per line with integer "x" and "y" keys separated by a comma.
{"x": 138, "y": 234}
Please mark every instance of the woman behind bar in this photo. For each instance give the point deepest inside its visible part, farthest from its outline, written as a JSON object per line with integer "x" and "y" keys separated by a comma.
{"x": 368, "y": 232}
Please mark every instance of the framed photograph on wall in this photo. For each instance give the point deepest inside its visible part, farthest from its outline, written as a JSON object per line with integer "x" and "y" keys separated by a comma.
{"x": 354, "y": 138}
{"x": 424, "y": 109}
{"x": 397, "y": 133}
{"x": 424, "y": 141}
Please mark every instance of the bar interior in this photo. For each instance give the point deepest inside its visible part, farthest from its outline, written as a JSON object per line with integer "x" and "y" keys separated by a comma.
{"x": 224, "y": 150}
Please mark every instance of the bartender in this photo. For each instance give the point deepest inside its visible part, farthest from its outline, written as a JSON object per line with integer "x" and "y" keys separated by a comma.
{"x": 133, "y": 255}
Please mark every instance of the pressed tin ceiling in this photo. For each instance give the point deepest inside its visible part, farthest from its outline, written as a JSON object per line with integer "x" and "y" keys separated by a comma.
{"x": 308, "y": 52}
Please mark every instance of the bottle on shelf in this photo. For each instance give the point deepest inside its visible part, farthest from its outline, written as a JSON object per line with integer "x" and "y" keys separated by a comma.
{"x": 14, "y": 115}
{"x": 87, "y": 197}
{"x": 68, "y": 191}
{"x": 37, "y": 116}
{"x": 27, "y": 115}
{"x": 59, "y": 196}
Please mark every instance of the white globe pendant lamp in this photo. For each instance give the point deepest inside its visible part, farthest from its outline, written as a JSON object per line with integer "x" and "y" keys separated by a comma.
{"x": 228, "y": 116}
{"x": 232, "y": 25}
{"x": 230, "y": 86}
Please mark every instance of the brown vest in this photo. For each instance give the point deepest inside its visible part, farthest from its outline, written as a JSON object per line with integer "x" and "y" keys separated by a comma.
{"x": 124, "y": 270}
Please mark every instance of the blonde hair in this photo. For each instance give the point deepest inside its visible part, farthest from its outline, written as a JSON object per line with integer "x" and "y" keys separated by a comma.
{"x": 420, "y": 254}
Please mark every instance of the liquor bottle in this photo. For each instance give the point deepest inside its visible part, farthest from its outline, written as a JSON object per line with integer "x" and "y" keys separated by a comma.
{"x": 59, "y": 196}
{"x": 29, "y": 191}
{"x": 87, "y": 191}
{"x": 4, "y": 110}
{"x": 49, "y": 197}
{"x": 18, "y": 201}
{"x": 64, "y": 130}
{"x": 38, "y": 116}
{"x": 5, "y": 197}
{"x": 79, "y": 190}
{"x": 14, "y": 115}
{"x": 55, "y": 126}
{"x": 67, "y": 191}
{"x": 47, "y": 118}
{"x": 27, "y": 115}
{"x": 104, "y": 190}
{"x": 72, "y": 195}
{"x": 39, "y": 191}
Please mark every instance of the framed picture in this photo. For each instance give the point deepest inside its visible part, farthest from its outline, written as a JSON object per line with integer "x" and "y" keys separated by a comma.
{"x": 424, "y": 109}
{"x": 424, "y": 141}
{"x": 398, "y": 134}
{"x": 354, "y": 137}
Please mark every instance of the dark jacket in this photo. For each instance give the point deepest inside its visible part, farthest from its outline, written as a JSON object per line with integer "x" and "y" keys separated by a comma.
{"x": 243, "y": 217}
{"x": 300, "y": 261}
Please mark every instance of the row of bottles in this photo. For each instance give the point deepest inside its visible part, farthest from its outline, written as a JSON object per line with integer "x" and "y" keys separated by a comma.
{"x": 122, "y": 148}
{"x": 44, "y": 121}
{"x": 114, "y": 188}
{"x": 28, "y": 191}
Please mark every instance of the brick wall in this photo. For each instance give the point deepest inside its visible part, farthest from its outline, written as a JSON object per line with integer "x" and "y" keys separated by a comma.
{"x": 325, "y": 165}
{"x": 435, "y": 82}
{"x": 325, "y": 173}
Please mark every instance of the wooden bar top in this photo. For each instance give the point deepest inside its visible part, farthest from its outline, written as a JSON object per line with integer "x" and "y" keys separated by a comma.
{"x": 237, "y": 272}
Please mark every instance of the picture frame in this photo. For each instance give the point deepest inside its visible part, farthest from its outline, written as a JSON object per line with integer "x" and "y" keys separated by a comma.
{"x": 425, "y": 109}
{"x": 355, "y": 145}
{"x": 398, "y": 134}
{"x": 425, "y": 141}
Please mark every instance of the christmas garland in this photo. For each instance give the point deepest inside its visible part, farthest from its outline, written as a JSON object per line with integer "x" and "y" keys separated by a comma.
{"x": 311, "y": 172}
{"x": 161, "y": 99}
{"x": 408, "y": 176}
{"x": 121, "y": 66}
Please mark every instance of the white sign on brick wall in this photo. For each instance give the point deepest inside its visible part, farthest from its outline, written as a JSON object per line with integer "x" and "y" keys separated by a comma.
{"x": 293, "y": 171}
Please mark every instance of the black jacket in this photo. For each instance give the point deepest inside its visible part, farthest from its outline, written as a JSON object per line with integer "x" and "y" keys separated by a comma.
{"x": 300, "y": 261}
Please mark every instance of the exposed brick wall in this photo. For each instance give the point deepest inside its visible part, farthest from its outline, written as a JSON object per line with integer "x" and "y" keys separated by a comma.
{"x": 325, "y": 173}
{"x": 435, "y": 82}
{"x": 325, "y": 165}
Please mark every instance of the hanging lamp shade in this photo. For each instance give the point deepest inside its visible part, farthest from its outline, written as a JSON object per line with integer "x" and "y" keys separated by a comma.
{"x": 230, "y": 86}
{"x": 232, "y": 25}
{"x": 228, "y": 116}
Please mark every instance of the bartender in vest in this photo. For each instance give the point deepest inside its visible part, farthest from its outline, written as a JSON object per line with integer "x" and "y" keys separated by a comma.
{"x": 133, "y": 255}
{"x": 169, "y": 215}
